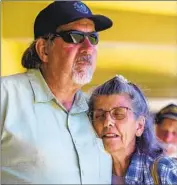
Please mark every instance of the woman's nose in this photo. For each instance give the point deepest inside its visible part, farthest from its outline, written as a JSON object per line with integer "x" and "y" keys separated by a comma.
{"x": 108, "y": 121}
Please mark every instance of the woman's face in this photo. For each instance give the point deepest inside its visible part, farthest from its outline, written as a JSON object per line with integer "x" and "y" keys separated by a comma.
{"x": 117, "y": 134}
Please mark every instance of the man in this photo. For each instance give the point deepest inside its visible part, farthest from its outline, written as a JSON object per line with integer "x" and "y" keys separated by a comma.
{"x": 47, "y": 137}
{"x": 166, "y": 128}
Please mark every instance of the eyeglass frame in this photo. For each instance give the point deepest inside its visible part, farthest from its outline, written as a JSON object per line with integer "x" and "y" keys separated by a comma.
{"x": 91, "y": 114}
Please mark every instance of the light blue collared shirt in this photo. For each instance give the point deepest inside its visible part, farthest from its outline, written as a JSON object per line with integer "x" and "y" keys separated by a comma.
{"x": 42, "y": 143}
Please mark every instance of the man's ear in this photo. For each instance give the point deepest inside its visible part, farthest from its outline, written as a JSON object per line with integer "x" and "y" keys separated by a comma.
{"x": 40, "y": 47}
{"x": 140, "y": 124}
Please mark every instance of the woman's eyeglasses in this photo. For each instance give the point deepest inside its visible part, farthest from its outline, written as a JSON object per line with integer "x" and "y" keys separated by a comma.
{"x": 76, "y": 37}
{"x": 117, "y": 113}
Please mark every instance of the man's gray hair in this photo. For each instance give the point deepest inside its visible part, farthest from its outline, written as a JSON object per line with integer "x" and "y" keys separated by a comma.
{"x": 147, "y": 143}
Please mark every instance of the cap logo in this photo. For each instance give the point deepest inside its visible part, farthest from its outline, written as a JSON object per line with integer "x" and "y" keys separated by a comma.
{"x": 80, "y": 7}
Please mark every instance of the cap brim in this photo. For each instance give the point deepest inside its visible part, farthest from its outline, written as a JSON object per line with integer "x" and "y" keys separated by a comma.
{"x": 170, "y": 116}
{"x": 101, "y": 22}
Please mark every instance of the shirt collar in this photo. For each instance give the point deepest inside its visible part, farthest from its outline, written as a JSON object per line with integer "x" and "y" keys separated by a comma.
{"x": 80, "y": 103}
{"x": 42, "y": 92}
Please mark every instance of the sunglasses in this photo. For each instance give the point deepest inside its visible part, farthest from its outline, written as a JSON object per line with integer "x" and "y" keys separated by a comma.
{"x": 76, "y": 37}
{"x": 117, "y": 113}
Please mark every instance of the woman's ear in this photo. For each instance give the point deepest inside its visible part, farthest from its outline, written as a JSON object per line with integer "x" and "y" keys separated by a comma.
{"x": 140, "y": 122}
{"x": 41, "y": 49}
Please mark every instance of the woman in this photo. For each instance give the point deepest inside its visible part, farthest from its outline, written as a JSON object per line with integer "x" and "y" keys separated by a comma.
{"x": 120, "y": 116}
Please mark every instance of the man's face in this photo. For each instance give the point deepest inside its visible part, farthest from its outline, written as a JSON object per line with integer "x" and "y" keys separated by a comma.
{"x": 167, "y": 131}
{"x": 70, "y": 61}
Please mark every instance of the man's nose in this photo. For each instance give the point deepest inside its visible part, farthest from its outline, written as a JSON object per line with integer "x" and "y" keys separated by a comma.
{"x": 87, "y": 43}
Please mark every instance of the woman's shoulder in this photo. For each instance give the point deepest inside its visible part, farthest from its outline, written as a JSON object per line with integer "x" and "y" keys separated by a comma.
{"x": 165, "y": 163}
{"x": 168, "y": 162}
{"x": 167, "y": 170}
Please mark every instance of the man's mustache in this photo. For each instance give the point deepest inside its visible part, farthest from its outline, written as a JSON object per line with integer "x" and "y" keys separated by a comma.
{"x": 85, "y": 58}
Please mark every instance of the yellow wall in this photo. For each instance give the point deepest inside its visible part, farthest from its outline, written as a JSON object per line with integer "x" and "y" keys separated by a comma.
{"x": 11, "y": 56}
{"x": 142, "y": 39}
{"x": 149, "y": 37}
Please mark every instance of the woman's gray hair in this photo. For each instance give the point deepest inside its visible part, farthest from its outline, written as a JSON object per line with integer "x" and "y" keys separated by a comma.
{"x": 147, "y": 143}
{"x": 30, "y": 58}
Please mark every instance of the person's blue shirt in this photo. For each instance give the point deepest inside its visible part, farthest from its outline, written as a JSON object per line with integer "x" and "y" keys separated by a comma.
{"x": 139, "y": 171}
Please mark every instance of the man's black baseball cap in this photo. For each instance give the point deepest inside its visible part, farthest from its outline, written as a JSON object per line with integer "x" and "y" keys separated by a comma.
{"x": 62, "y": 12}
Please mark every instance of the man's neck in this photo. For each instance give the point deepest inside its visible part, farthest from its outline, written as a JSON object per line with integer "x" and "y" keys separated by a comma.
{"x": 63, "y": 89}
{"x": 65, "y": 96}
{"x": 68, "y": 105}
